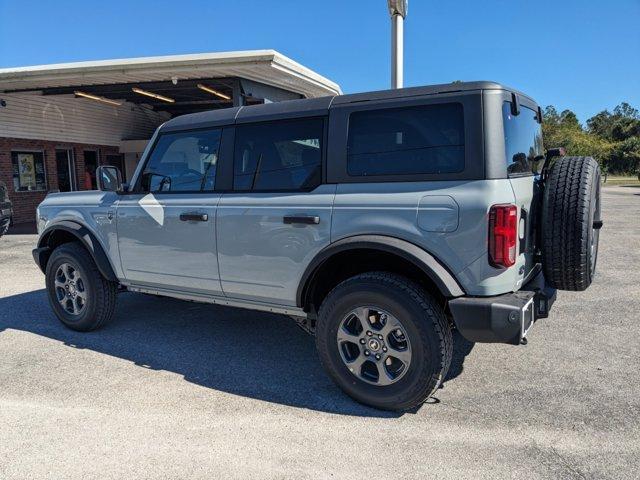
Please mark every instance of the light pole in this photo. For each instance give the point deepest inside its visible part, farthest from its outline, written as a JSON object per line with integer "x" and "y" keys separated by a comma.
{"x": 397, "y": 10}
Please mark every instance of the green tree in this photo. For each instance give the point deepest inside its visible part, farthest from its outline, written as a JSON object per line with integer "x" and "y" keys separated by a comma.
{"x": 600, "y": 124}
{"x": 612, "y": 138}
{"x": 626, "y": 110}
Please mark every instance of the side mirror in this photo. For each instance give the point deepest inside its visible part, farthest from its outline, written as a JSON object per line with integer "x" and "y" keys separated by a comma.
{"x": 156, "y": 182}
{"x": 109, "y": 179}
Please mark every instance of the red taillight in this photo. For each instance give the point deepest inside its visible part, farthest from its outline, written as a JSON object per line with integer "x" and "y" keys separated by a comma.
{"x": 503, "y": 235}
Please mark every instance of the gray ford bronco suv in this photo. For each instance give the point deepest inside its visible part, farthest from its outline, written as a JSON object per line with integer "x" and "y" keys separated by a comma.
{"x": 379, "y": 221}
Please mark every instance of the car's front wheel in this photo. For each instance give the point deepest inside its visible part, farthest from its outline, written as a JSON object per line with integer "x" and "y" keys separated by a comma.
{"x": 80, "y": 296}
{"x": 384, "y": 340}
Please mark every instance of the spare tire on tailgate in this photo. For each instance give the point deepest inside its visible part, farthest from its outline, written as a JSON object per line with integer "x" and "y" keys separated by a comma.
{"x": 571, "y": 222}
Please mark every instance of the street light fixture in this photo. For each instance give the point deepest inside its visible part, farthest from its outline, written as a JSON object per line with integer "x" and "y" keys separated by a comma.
{"x": 398, "y": 7}
{"x": 97, "y": 98}
{"x": 398, "y": 11}
{"x": 153, "y": 95}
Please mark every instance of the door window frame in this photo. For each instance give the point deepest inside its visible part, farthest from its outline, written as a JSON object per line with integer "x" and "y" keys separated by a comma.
{"x": 137, "y": 186}
{"x": 229, "y": 169}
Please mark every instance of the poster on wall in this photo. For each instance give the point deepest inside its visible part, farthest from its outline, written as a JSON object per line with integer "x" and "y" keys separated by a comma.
{"x": 27, "y": 170}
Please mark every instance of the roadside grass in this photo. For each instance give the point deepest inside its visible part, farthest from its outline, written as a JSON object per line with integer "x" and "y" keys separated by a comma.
{"x": 622, "y": 181}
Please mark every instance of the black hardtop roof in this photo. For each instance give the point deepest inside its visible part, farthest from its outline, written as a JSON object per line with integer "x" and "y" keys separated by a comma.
{"x": 318, "y": 106}
{"x": 424, "y": 90}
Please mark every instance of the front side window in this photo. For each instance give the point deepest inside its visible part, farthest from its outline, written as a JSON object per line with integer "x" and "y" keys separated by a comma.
{"x": 284, "y": 155}
{"x": 426, "y": 139}
{"x": 28, "y": 171}
{"x": 183, "y": 162}
{"x": 522, "y": 141}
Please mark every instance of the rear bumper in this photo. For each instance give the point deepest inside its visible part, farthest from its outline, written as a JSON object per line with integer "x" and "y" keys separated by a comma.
{"x": 504, "y": 318}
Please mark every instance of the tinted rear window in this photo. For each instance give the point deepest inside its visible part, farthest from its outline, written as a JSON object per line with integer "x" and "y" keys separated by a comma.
{"x": 405, "y": 141}
{"x": 522, "y": 141}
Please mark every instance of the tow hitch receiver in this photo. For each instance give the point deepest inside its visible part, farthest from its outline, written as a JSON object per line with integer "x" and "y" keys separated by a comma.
{"x": 501, "y": 319}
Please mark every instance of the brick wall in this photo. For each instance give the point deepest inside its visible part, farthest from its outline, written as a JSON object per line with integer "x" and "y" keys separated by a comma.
{"x": 25, "y": 203}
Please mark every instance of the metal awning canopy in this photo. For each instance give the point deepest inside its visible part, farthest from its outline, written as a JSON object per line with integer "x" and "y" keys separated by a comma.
{"x": 177, "y": 76}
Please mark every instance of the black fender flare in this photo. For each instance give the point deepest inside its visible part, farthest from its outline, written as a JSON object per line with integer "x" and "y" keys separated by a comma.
{"x": 438, "y": 273}
{"x": 85, "y": 236}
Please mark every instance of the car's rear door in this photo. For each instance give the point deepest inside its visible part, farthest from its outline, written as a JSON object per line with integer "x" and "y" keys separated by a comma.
{"x": 167, "y": 225}
{"x": 277, "y": 216}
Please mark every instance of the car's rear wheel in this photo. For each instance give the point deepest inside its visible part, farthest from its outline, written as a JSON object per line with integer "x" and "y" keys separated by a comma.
{"x": 384, "y": 340}
{"x": 80, "y": 296}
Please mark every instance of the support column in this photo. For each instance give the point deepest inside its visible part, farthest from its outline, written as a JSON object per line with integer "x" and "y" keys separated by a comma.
{"x": 397, "y": 51}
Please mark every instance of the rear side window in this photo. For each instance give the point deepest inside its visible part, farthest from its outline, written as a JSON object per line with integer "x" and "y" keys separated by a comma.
{"x": 426, "y": 139}
{"x": 522, "y": 141}
{"x": 278, "y": 156}
{"x": 183, "y": 162}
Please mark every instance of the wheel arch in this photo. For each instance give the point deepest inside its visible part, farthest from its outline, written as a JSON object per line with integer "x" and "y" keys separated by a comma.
{"x": 409, "y": 256}
{"x": 68, "y": 231}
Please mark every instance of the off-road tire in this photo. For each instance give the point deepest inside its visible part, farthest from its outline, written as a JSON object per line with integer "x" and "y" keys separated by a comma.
{"x": 571, "y": 204}
{"x": 101, "y": 293}
{"x": 426, "y": 326}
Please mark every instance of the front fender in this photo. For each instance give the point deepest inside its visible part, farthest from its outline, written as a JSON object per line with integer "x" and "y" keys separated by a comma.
{"x": 47, "y": 242}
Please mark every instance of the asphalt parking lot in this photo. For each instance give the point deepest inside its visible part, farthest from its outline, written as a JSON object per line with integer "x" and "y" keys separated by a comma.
{"x": 171, "y": 389}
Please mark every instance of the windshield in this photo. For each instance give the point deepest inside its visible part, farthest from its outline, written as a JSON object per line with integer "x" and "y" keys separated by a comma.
{"x": 522, "y": 141}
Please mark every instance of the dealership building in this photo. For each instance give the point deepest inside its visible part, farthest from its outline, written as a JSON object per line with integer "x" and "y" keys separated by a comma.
{"x": 58, "y": 123}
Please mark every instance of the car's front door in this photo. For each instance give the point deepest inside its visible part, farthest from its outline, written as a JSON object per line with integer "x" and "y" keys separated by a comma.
{"x": 167, "y": 225}
{"x": 278, "y": 216}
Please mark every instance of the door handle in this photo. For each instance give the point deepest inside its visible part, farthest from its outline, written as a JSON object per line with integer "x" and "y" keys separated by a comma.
{"x": 194, "y": 217}
{"x": 303, "y": 219}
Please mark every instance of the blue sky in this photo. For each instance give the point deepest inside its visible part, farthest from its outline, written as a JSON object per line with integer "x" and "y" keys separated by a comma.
{"x": 578, "y": 54}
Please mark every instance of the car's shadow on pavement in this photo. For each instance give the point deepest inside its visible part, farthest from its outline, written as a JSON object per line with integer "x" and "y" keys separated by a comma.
{"x": 253, "y": 354}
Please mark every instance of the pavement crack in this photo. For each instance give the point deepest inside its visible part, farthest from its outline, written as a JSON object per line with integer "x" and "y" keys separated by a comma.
{"x": 568, "y": 464}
